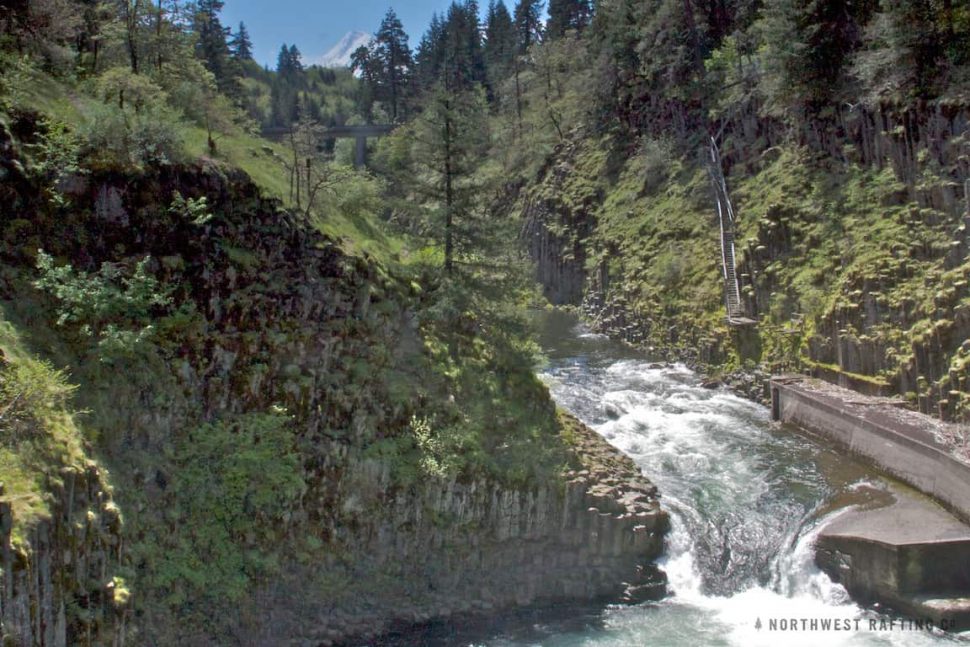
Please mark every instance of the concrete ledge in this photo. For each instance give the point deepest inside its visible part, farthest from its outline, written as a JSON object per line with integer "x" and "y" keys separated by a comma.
{"x": 910, "y": 554}
{"x": 904, "y": 444}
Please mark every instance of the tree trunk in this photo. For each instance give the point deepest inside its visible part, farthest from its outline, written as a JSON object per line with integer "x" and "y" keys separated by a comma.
{"x": 131, "y": 28}
{"x": 394, "y": 81}
{"x": 158, "y": 38}
{"x": 449, "y": 192}
{"x": 948, "y": 20}
{"x": 518, "y": 100}
{"x": 695, "y": 40}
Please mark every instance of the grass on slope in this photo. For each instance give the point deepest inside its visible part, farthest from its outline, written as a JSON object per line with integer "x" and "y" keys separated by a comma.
{"x": 38, "y": 431}
{"x": 347, "y": 210}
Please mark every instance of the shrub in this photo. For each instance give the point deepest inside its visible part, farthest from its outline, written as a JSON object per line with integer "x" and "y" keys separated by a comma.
{"x": 136, "y": 91}
{"x": 134, "y": 127}
{"x": 56, "y": 156}
{"x": 236, "y": 480}
{"x": 111, "y": 306}
{"x": 117, "y": 138}
{"x": 15, "y": 73}
{"x": 195, "y": 210}
{"x": 30, "y": 390}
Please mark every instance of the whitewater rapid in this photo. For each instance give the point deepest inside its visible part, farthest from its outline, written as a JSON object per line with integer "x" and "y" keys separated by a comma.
{"x": 746, "y": 498}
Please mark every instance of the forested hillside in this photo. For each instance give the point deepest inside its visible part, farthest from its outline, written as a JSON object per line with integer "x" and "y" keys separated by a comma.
{"x": 839, "y": 130}
{"x": 619, "y": 129}
{"x": 250, "y": 392}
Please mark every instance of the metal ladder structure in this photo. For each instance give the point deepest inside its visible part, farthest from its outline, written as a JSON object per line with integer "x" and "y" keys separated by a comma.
{"x": 725, "y": 215}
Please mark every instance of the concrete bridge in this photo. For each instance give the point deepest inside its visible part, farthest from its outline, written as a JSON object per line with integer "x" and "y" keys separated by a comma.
{"x": 359, "y": 133}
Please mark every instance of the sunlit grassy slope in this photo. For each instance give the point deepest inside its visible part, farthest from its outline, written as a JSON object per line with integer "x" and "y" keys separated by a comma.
{"x": 348, "y": 211}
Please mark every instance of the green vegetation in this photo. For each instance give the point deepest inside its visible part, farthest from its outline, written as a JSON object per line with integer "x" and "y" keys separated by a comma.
{"x": 114, "y": 309}
{"x": 235, "y": 483}
{"x": 277, "y": 358}
{"x": 38, "y": 431}
{"x": 238, "y": 364}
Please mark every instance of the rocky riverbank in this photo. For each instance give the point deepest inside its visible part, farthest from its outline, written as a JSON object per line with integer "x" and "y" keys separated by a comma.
{"x": 488, "y": 548}
{"x": 615, "y": 322}
{"x": 443, "y": 548}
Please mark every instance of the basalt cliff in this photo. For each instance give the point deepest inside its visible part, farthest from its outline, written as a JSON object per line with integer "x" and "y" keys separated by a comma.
{"x": 850, "y": 247}
{"x": 265, "y": 465}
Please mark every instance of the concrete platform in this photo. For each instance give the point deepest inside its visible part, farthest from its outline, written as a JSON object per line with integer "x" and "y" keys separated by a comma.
{"x": 907, "y": 549}
{"x": 907, "y": 519}
{"x": 909, "y": 554}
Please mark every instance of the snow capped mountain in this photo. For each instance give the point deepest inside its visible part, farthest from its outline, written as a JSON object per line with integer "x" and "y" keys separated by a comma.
{"x": 339, "y": 55}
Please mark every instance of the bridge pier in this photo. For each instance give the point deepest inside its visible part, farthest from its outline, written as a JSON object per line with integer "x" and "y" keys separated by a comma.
{"x": 360, "y": 154}
{"x": 358, "y": 133}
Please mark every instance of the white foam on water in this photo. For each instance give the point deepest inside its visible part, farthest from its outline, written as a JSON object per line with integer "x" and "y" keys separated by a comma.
{"x": 701, "y": 447}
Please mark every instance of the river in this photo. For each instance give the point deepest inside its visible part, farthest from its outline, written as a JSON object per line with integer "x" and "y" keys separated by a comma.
{"x": 746, "y": 499}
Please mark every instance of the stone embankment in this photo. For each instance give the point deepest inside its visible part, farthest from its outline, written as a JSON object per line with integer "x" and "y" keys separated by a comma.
{"x": 464, "y": 547}
{"x": 69, "y": 557}
{"x": 909, "y": 446}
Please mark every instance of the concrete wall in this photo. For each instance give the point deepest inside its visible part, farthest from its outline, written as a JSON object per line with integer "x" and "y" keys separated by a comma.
{"x": 920, "y": 463}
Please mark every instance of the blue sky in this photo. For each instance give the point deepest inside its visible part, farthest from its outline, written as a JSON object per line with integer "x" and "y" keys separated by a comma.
{"x": 315, "y": 26}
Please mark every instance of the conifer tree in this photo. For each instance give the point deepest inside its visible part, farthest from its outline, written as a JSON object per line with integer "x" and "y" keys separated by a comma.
{"x": 565, "y": 15}
{"x": 211, "y": 44}
{"x": 365, "y": 65}
{"x": 392, "y": 58}
{"x": 241, "y": 46}
{"x": 283, "y": 67}
{"x": 295, "y": 60}
{"x": 430, "y": 53}
{"x": 284, "y": 91}
{"x": 451, "y": 50}
{"x": 808, "y": 43}
{"x": 528, "y": 23}
{"x": 463, "y": 61}
{"x": 920, "y": 36}
{"x": 451, "y": 141}
{"x": 499, "y": 43}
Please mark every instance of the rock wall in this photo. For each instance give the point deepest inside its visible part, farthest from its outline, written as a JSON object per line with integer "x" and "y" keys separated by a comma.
{"x": 280, "y": 319}
{"x": 59, "y": 582}
{"x": 452, "y": 547}
{"x": 877, "y": 335}
{"x": 558, "y": 255}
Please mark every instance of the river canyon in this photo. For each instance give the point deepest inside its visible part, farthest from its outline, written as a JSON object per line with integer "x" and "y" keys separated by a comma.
{"x": 746, "y": 499}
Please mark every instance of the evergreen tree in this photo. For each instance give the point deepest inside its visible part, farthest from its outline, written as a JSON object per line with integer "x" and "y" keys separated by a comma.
{"x": 565, "y": 15}
{"x": 499, "y": 43}
{"x": 241, "y": 46}
{"x": 451, "y": 141}
{"x": 462, "y": 58}
{"x": 911, "y": 49}
{"x": 430, "y": 53}
{"x": 808, "y": 43}
{"x": 451, "y": 50}
{"x": 366, "y": 66}
{"x": 295, "y": 60}
{"x": 392, "y": 58}
{"x": 920, "y": 35}
{"x": 528, "y": 23}
{"x": 283, "y": 61}
{"x": 211, "y": 44}
{"x": 286, "y": 86}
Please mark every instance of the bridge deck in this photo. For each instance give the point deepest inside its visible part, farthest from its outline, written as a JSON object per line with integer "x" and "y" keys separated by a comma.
{"x": 365, "y": 130}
